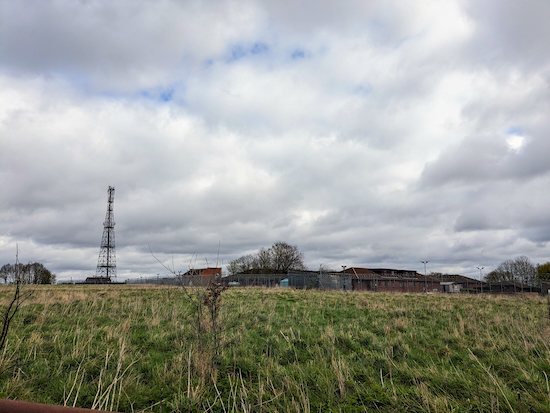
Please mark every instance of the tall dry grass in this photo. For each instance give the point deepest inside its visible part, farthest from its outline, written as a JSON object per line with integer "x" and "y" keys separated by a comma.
{"x": 133, "y": 348}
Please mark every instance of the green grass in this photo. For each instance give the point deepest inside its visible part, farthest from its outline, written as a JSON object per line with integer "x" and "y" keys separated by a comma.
{"x": 133, "y": 348}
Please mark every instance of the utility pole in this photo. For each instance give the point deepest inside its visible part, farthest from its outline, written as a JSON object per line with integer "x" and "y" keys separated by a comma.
{"x": 343, "y": 274}
{"x": 480, "y": 279}
{"x": 425, "y": 276}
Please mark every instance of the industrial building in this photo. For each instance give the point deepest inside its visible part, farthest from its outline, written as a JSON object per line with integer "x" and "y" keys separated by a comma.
{"x": 353, "y": 278}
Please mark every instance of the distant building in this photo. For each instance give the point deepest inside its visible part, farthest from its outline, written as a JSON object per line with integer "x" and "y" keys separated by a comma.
{"x": 293, "y": 278}
{"x": 200, "y": 276}
{"x": 98, "y": 280}
{"x": 381, "y": 280}
{"x": 353, "y": 278}
{"x": 449, "y": 287}
{"x": 391, "y": 280}
{"x": 454, "y": 283}
{"x": 259, "y": 280}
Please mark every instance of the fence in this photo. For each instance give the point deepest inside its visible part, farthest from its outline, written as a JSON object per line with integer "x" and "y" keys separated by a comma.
{"x": 320, "y": 280}
{"x": 154, "y": 280}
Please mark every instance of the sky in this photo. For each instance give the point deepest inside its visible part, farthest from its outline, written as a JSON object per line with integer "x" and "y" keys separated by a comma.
{"x": 369, "y": 134}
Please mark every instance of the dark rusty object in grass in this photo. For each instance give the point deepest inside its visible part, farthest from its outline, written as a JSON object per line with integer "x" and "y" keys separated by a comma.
{"x": 16, "y": 406}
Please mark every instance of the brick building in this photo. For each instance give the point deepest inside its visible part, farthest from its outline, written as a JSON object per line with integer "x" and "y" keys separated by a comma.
{"x": 353, "y": 278}
{"x": 390, "y": 280}
{"x": 200, "y": 276}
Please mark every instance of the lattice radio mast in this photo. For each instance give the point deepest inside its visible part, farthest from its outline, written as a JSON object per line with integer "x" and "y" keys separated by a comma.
{"x": 106, "y": 264}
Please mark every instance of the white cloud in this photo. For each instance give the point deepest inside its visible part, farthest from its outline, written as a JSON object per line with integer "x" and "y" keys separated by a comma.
{"x": 367, "y": 133}
{"x": 515, "y": 142}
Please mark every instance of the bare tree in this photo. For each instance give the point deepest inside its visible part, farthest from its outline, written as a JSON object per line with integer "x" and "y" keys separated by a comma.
{"x": 6, "y": 272}
{"x": 524, "y": 270}
{"x": 280, "y": 257}
{"x": 287, "y": 257}
{"x": 504, "y": 272}
{"x": 263, "y": 261}
{"x": 520, "y": 270}
{"x": 31, "y": 273}
{"x": 242, "y": 264}
{"x": 13, "y": 306}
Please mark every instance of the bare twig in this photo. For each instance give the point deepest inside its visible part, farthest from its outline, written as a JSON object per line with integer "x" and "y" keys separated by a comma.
{"x": 206, "y": 302}
{"x": 17, "y": 300}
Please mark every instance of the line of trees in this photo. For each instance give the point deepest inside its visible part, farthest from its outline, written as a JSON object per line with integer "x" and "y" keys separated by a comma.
{"x": 31, "y": 273}
{"x": 520, "y": 270}
{"x": 279, "y": 258}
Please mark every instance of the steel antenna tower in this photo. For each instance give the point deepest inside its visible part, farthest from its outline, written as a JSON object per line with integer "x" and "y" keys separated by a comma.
{"x": 106, "y": 264}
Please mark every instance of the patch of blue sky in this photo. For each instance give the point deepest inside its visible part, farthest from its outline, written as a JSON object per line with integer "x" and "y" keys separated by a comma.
{"x": 145, "y": 94}
{"x": 237, "y": 52}
{"x": 362, "y": 90}
{"x": 240, "y": 51}
{"x": 514, "y": 130}
{"x": 162, "y": 94}
{"x": 167, "y": 95}
{"x": 298, "y": 54}
{"x": 259, "y": 48}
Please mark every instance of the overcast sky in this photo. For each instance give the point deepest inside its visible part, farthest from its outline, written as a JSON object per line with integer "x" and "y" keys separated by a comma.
{"x": 368, "y": 133}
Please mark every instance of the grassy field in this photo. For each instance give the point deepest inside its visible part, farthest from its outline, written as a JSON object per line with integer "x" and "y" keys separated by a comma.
{"x": 134, "y": 348}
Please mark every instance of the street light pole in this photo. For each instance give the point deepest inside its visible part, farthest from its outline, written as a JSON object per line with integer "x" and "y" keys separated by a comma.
{"x": 480, "y": 279}
{"x": 425, "y": 276}
{"x": 343, "y": 273}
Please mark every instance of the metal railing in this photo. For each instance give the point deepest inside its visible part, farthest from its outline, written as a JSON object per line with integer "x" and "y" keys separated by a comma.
{"x": 16, "y": 406}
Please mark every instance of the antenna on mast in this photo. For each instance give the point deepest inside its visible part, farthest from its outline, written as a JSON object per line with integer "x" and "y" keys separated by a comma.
{"x": 106, "y": 264}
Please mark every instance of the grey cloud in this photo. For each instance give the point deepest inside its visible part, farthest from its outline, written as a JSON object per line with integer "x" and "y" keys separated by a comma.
{"x": 472, "y": 160}
{"x": 488, "y": 158}
{"x": 386, "y": 24}
{"x": 479, "y": 219}
{"x": 118, "y": 45}
{"x": 511, "y": 34}
{"x": 539, "y": 233}
{"x": 506, "y": 206}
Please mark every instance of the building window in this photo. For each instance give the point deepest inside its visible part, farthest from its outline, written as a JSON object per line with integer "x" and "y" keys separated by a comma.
{"x": 401, "y": 284}
{"x": 386, "y": 283}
